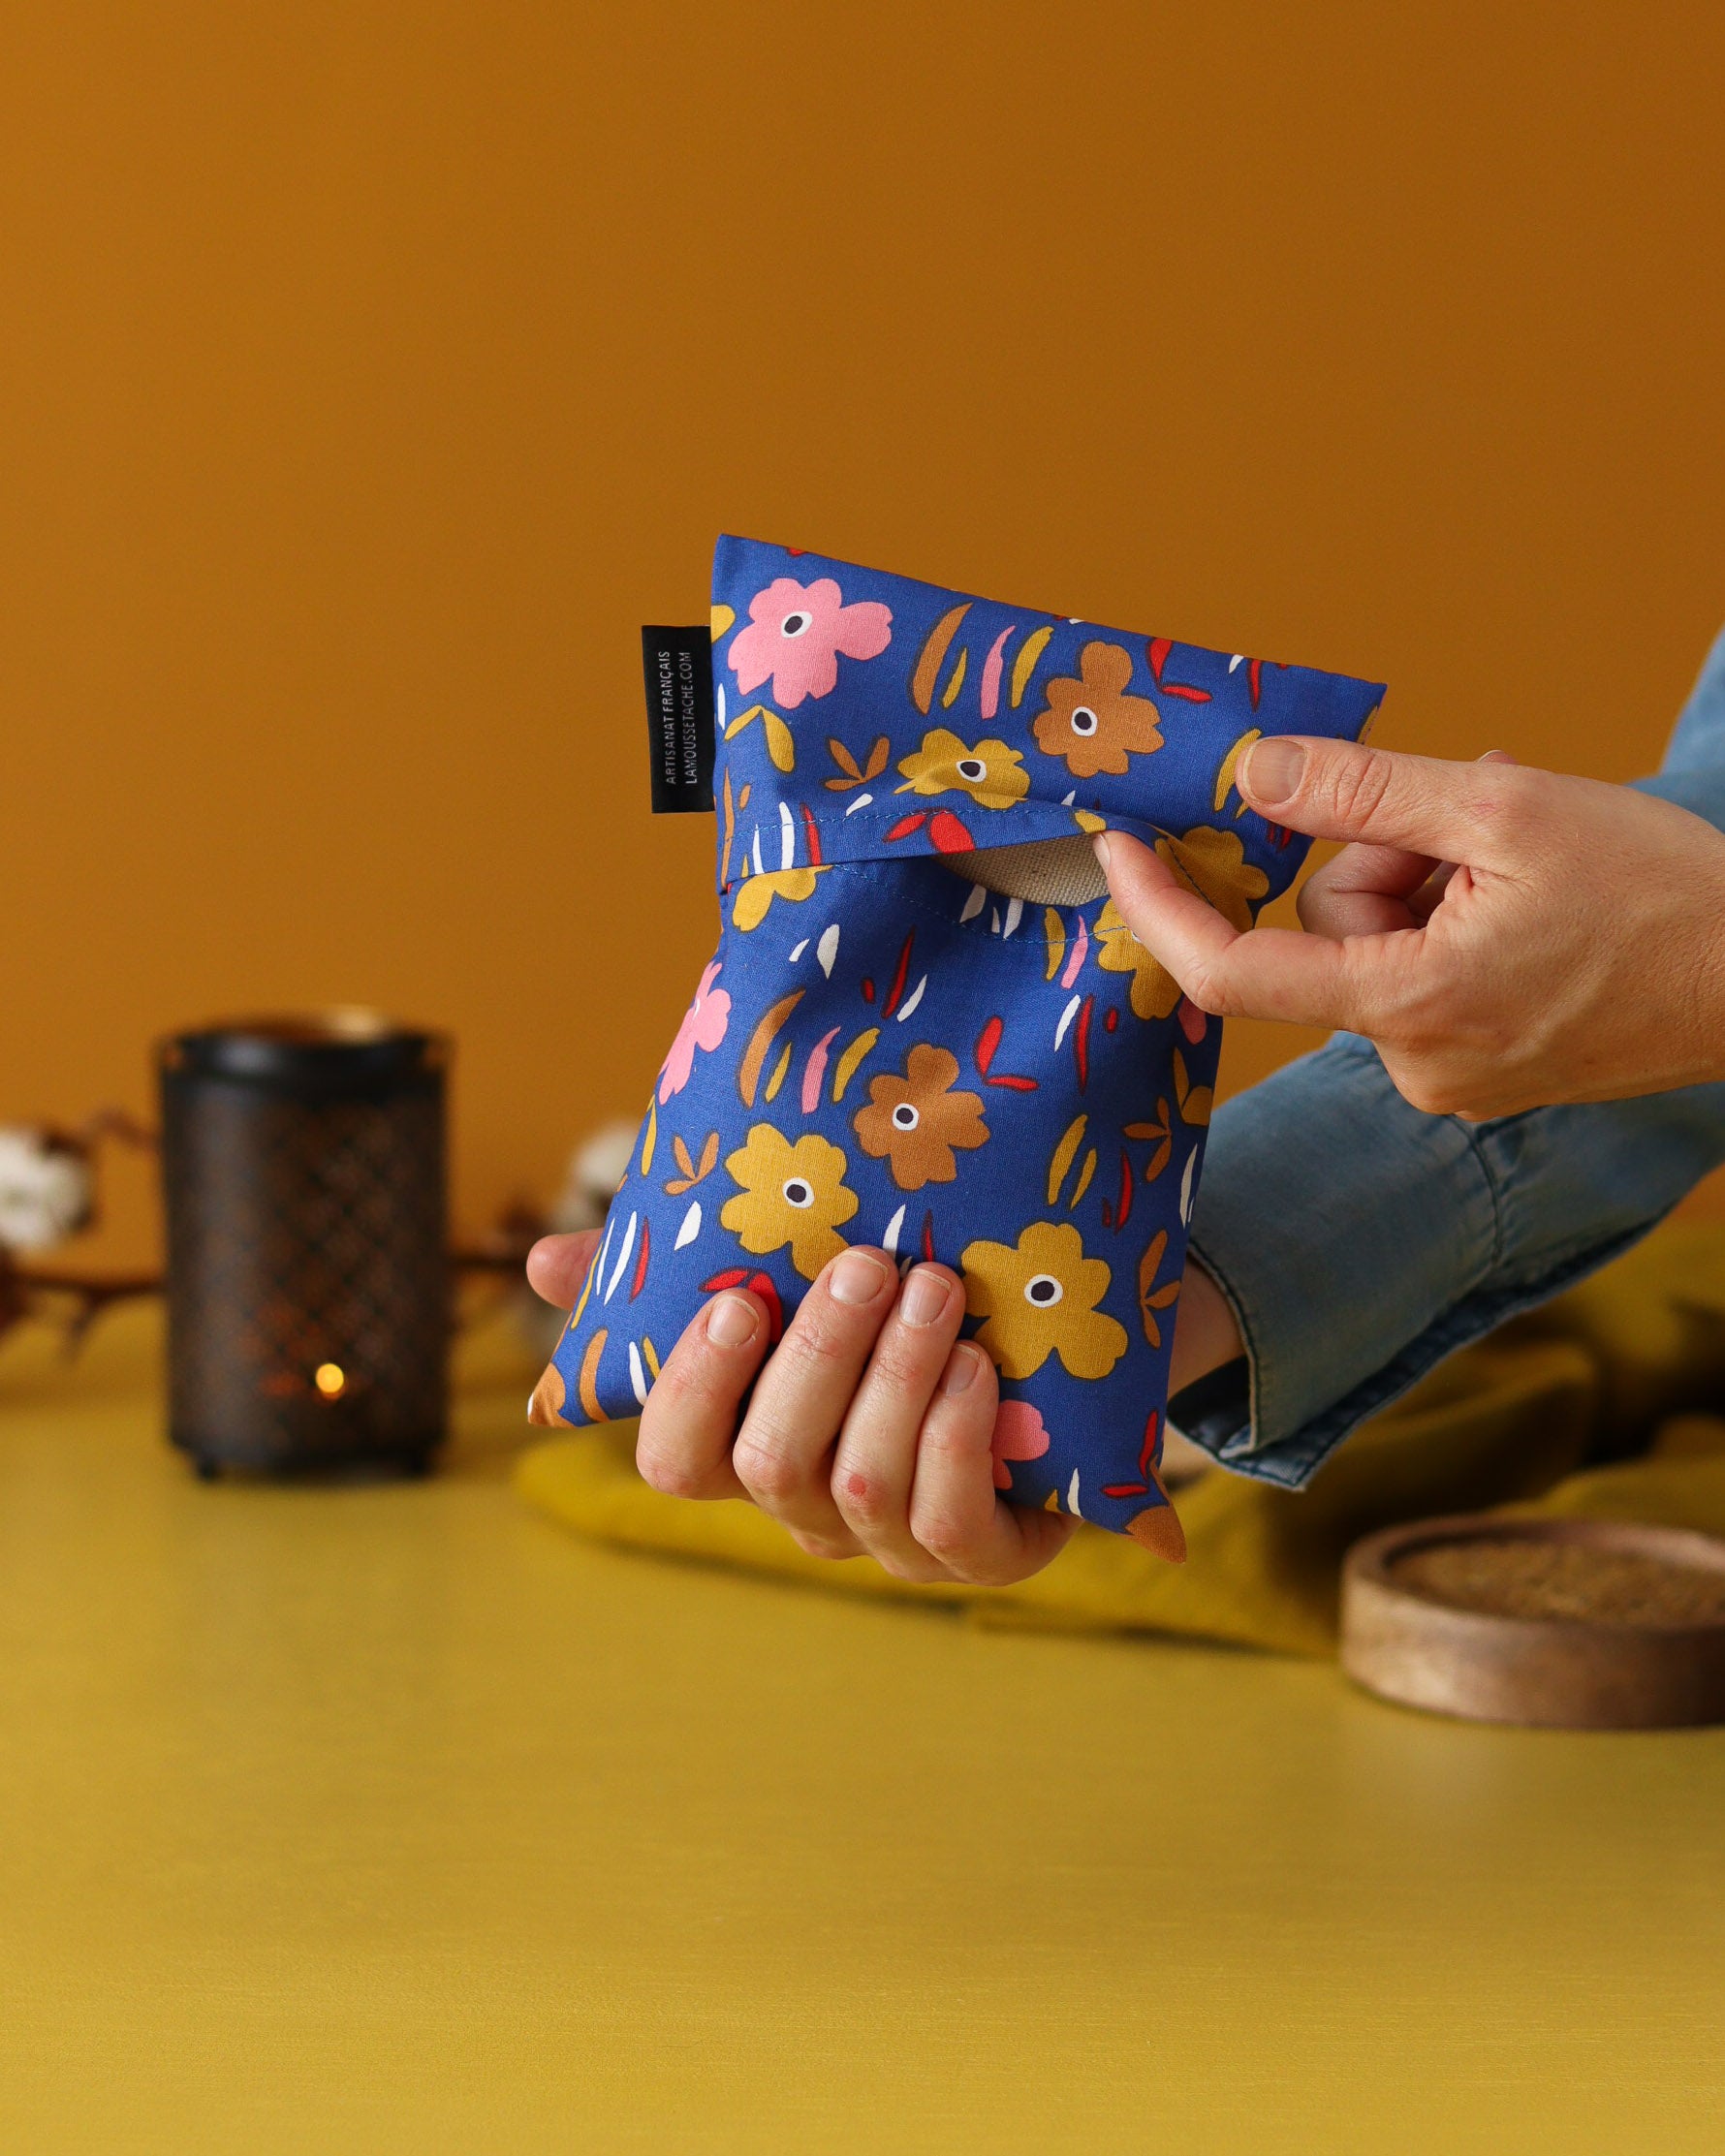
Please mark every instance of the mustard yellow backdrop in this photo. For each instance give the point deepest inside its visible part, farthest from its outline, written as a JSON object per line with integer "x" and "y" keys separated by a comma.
{"x": 370, "y": 370}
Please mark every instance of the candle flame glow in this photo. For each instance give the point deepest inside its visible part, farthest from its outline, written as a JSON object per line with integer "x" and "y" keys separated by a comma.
{"x": 331, "y": 1379}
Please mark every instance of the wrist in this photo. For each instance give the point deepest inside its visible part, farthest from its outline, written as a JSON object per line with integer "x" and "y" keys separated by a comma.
{"x": 1206, "y": 1334}
{"x": 1709, "y": 982}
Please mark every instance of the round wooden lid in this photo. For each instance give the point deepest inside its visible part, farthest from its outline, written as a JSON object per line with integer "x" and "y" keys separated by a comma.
{"x": 1565, "y": 1623}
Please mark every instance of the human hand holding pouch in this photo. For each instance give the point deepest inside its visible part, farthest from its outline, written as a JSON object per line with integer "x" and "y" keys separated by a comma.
{"x": 925, "y": 1026}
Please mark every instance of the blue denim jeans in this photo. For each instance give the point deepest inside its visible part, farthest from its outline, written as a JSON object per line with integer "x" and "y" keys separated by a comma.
{"x": 1361, "y": 1242}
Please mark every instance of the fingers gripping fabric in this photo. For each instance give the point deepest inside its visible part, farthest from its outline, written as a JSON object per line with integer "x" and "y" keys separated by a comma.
{"x": 885, "y": 1051}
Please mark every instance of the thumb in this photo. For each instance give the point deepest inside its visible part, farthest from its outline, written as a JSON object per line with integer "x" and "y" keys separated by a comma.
{"x": 1454, "y": 812}
{"x": 557, "y": 1264}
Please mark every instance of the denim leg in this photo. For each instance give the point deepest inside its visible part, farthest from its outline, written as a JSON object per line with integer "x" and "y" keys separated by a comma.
{"x": 1360, "y": 1241}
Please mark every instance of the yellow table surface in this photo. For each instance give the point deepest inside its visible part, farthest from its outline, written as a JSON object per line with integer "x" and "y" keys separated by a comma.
{"x": 393, "y": 1818}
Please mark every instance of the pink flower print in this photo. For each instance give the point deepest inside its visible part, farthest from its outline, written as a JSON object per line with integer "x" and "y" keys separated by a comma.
{"x": 1019, "y": 1434}
{"x": 795, "y": 633}
{"x": 703, "y": 1027}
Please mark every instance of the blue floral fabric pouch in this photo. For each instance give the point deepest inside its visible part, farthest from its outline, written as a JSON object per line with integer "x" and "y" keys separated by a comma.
{"x": 925, "y": 1027}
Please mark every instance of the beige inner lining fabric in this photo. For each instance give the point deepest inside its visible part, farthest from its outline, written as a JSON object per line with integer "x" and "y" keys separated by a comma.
{"x": 1047, "y": 871}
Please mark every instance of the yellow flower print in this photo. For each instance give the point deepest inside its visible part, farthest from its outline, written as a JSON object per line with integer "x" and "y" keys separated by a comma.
{"x": 756, "y": 893}
{"x": 1040, "y": 1300}
{"x": 1154, "y": 990}
{"x": 991, "y": 773}
{"x": 790, "y": 1194}
{"x": 1212, "y": 862}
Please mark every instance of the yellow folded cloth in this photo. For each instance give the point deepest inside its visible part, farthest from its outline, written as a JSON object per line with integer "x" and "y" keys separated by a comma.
{"x": 1596, "y": 1405}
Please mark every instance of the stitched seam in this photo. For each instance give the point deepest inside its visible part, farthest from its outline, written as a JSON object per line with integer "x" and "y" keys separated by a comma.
{"x": 1032, "y": 938}
{"x": 1231, "y": 1296}
{"x": 1472, "y": 1133}
{"x": 1037, "y": 939}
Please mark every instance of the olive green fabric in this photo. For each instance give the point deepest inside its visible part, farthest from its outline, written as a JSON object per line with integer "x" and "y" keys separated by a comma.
{"x": 1597, "y": 1405}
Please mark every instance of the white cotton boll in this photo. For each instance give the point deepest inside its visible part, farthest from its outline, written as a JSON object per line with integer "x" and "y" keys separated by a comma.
{"x": 596, "y": 1167}
{"x": 45, "y": 1190}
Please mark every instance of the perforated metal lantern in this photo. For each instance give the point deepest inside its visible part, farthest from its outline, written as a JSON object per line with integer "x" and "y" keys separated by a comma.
{"x": 309, "y": 1284}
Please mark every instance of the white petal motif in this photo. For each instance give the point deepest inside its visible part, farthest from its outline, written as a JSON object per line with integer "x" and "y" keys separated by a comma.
{"x": 1066, "y": 1018}
{"x": 616, "y": 1271}
{"x": 598, "y": 1274}
{"x": 691, "y": 1226}
{"x": 827, "y": 950}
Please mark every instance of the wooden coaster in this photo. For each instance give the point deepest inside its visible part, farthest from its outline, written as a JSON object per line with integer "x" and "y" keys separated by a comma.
{"x": 1564, "y": 1623}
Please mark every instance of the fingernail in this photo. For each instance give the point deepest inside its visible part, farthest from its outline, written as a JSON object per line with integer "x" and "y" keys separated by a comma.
{"x": 1498, "y": 756}
{"x": 924, "y": 1297}
{"x": 1099, "y": 840}
{"x": 856, "y": 1277}
{"x": 730, "y": 1321}
{"x": 961, "y": 1369}
{"x": 1271, "y": 769}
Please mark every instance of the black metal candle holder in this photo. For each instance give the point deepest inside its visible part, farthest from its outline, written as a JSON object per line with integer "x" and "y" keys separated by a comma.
{"x": 308, "y": 1281}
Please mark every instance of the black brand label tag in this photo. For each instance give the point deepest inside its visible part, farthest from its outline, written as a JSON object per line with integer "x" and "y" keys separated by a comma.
{"x": 678, "y": 669}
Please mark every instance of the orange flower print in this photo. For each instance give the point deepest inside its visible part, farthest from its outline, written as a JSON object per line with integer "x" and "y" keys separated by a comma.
{"x": 914, "y": 1122}
{"x": 1091, "y": 720}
